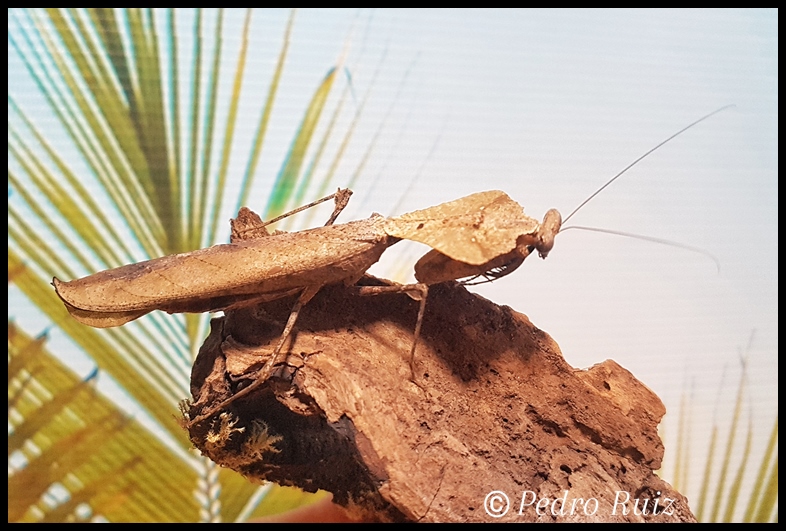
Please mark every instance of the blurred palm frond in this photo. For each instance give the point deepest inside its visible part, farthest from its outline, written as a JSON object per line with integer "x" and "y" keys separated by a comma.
{"x": 122, "y": 140}
{"x": 717, "y": 499}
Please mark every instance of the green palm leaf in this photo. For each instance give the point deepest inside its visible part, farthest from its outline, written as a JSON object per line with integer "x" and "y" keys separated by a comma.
{"x": 120, "y": 148}
{"x": 713, "y": 489}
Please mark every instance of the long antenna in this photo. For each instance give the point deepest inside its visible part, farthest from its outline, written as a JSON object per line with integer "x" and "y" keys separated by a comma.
{"x": 651, "y": 239}
{"x": 629, "y": 166}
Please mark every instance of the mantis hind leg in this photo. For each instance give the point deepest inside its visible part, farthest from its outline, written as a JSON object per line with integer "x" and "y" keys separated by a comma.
{"x": 265, "y": 372}
{"x": 249, "y": 226}
{"x": 341, "y": 198}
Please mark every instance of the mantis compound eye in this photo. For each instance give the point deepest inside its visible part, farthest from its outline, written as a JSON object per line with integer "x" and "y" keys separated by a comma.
{"x": 552, "y": 222}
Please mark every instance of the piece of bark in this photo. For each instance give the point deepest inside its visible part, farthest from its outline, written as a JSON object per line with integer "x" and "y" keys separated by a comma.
{"x": 495, "y": 408}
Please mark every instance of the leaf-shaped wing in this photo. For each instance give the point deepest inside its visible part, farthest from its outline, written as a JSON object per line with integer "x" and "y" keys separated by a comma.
{"x": 474, "y": 229}
{"x": 218, "y": 277}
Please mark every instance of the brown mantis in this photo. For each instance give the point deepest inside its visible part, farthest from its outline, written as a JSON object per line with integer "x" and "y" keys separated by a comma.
{"x": 475, "y": 234}
{"x": 483, "y": 234}
{"x": 476, "y": 230}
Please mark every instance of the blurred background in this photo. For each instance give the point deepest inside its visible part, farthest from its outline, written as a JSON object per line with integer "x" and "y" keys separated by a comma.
{"x": 138, "y": 133}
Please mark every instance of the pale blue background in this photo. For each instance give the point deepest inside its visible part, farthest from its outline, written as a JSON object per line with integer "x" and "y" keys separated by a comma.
{"x": 547, "y": 105}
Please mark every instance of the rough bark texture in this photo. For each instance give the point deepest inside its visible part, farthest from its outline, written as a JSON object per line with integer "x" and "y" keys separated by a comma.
{"x": 495, "y": 408}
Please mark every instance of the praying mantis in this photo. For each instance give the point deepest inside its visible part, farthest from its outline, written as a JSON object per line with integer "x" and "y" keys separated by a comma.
{"x": 483, "y": 234}
{"x": 470, "y": 236}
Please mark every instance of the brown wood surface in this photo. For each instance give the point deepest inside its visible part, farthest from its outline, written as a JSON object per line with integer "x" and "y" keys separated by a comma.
{"x": 495, "y": 407}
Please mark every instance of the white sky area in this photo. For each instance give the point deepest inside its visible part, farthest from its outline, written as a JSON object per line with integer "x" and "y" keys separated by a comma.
{"x": 547, "y": 106}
